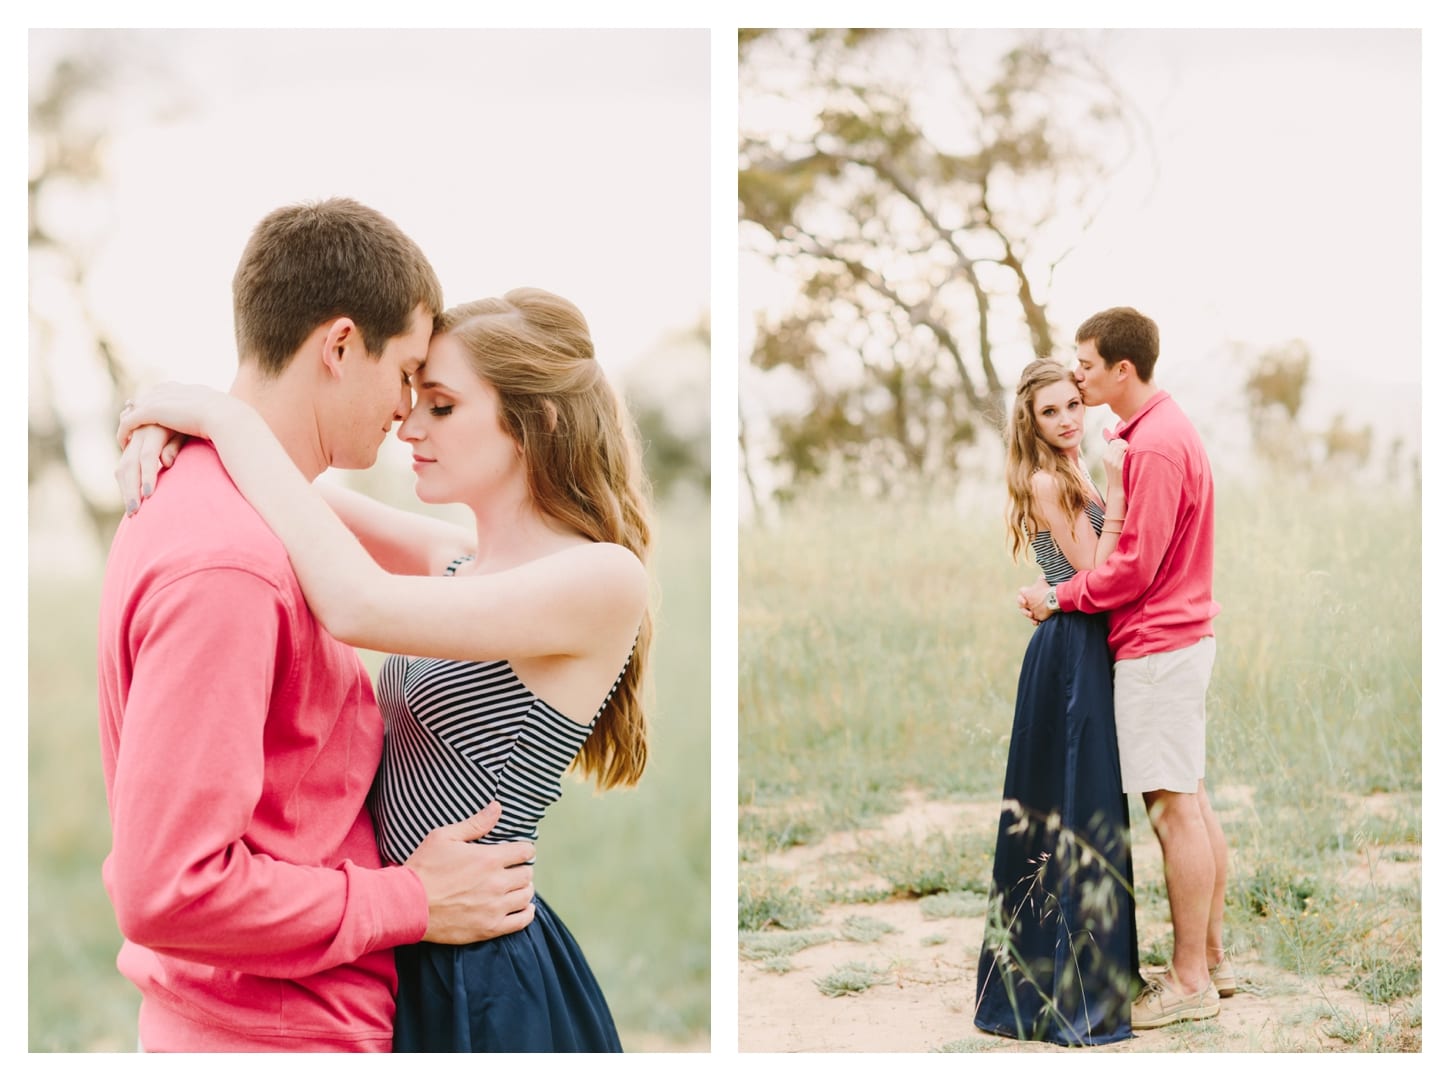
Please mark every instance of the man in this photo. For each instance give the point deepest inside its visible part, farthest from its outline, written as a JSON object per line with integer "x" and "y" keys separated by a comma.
{"x": 1157, "y": 588}
{"x": 238, "y": 739}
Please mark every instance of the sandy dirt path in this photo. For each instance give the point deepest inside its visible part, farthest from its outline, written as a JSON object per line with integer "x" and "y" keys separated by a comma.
{"x": 929, "y": 966}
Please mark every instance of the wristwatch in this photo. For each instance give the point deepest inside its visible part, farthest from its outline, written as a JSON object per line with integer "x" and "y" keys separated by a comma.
{"x": 1051, "y": 599}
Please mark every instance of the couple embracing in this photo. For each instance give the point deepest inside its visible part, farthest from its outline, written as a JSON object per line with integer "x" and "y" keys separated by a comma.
{"x": 1110, "y": 702}
{"x": 300, "y": 862}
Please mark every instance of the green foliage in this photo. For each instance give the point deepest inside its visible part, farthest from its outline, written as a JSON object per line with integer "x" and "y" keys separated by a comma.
{"x": 942, "y": 906}
{"x": 672, "y": 459}
{"x": 778, "y": 829}
{"x": 852, "y": 979}
{"x": 939, "y": 863}
{"x": 1322, "y": 695}
{"x": 1400, "y": 1034}
{"x": 77, "y": 1000}
{"x": 1270, "y": 890}
{"x": 865, "y": 929}
{"x": 853, "y": 894}
{"x": 763, "y": 945}
{"x": 872, "y": 654}
{"x": 629, "y": 870}
{"x": 1386, "y": 979}
{"x": 971, "y": 1045}
{"x": 1155, "y": 953}
{"x": 764, "y": 901}
{"x": 1278, "y": 379}
{"x": 907, "y": 239}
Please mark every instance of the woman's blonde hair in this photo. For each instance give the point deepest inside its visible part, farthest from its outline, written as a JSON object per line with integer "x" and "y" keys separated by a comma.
{"x": 1028, "y": 452}
{"x": 583, "y": 462}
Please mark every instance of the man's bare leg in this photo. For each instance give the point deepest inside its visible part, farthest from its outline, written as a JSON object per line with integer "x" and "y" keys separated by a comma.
{"x": 1190, "y": 870}
{"x": 1214, "y": 942}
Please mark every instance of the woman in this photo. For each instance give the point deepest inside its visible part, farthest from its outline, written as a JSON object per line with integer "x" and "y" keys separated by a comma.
{"x": 1060, "y": 959}
{"x": 531, "y": 658}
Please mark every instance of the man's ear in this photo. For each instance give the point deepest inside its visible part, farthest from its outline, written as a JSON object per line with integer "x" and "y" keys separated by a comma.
{"x": 342, "y": 333}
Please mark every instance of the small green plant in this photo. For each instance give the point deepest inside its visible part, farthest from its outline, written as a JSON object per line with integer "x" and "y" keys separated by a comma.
{"x": 1273, "y": 891}
{"x": 968, "y": 1046}
{"x": 941, "y": 906}
{"x": 1399, "y": 1033}
{"x": 851, "y": 979}
{"x": 941, "y": 863}
{"x": 1343, "y": 1026}
{"x": 1156, "y": 952}
{"x": 855, "y": 894}
{"x": 776, "y": 830}
{"x": 764, "y": 902}
{"x": 759, "y": 945}
{"x": 1383, "y": 980}
{"x": 865, "y": 929}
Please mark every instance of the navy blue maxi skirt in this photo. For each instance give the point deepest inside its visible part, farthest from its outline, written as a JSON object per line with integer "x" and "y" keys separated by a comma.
{"x": 1060, "y": 959}
{"x": 528, "y": 991}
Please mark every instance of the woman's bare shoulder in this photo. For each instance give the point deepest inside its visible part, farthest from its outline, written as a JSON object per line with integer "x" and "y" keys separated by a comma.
{"x": 1046, "y": 486}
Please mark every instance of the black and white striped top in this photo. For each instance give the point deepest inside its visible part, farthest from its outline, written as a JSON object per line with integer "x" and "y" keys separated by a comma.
{"x": 459, "y": 734}
{"x": 1055, "y": 567}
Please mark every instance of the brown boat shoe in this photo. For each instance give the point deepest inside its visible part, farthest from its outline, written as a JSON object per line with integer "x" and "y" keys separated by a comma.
{"x": 1159, "y": 1004}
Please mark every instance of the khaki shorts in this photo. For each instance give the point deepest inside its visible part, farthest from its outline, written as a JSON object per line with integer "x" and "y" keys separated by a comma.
{"x": 1159, "y": 704}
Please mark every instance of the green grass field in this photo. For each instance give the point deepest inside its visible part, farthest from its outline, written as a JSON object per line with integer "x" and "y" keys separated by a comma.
{"x": 879, "y": 653}
{"x": 628, "y": 870}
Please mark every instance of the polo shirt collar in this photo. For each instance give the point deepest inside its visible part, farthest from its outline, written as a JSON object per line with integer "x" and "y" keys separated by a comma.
{"x": 1128, "y": 425}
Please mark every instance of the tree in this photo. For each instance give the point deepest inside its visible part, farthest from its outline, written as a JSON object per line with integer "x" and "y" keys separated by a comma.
{"x": 71, "y": 114}
{"x": 919, "y": 191}
{"x": 668, "y": 395}
{"x": 1276, "y": 386}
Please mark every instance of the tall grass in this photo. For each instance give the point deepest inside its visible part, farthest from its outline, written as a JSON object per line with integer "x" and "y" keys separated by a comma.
{"x": 628, "y": 871}
{"x": 880, "y": 647}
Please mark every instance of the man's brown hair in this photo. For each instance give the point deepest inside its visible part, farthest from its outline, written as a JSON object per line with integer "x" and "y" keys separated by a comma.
{"x": 311, "y": 262}
{"x": 1123, "y": 334}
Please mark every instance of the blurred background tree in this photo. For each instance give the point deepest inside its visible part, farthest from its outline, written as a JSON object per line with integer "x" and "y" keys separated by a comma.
{"x": 669, "y": 396}
{"x": 73, "y": 108}
{"x": 910, "y": 201}
{"x": 922, "y": 199}
{"x": 1278, "y": 381}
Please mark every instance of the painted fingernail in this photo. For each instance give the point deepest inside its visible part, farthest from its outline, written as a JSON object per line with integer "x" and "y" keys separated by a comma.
{"x": 131, "y": 507}
{"x": 146, "y": 489}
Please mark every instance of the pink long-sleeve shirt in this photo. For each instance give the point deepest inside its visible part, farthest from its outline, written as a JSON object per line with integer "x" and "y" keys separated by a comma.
{"x": 1157, "y": 585}
{"x": 239, "y": 741}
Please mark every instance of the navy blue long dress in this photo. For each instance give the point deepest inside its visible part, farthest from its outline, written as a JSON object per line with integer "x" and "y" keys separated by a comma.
{"x": 457, "y": 735}
{"x": 1060, "y": 958}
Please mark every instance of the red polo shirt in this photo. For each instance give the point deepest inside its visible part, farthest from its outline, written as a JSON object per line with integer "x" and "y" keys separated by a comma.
{"x": 239, "y": 742}
{"x": 1157, "y": 586}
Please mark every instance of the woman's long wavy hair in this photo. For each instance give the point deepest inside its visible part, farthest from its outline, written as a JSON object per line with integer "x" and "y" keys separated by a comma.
{"x": 583, "y": 462}
{"x": 1028, "y": 452}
